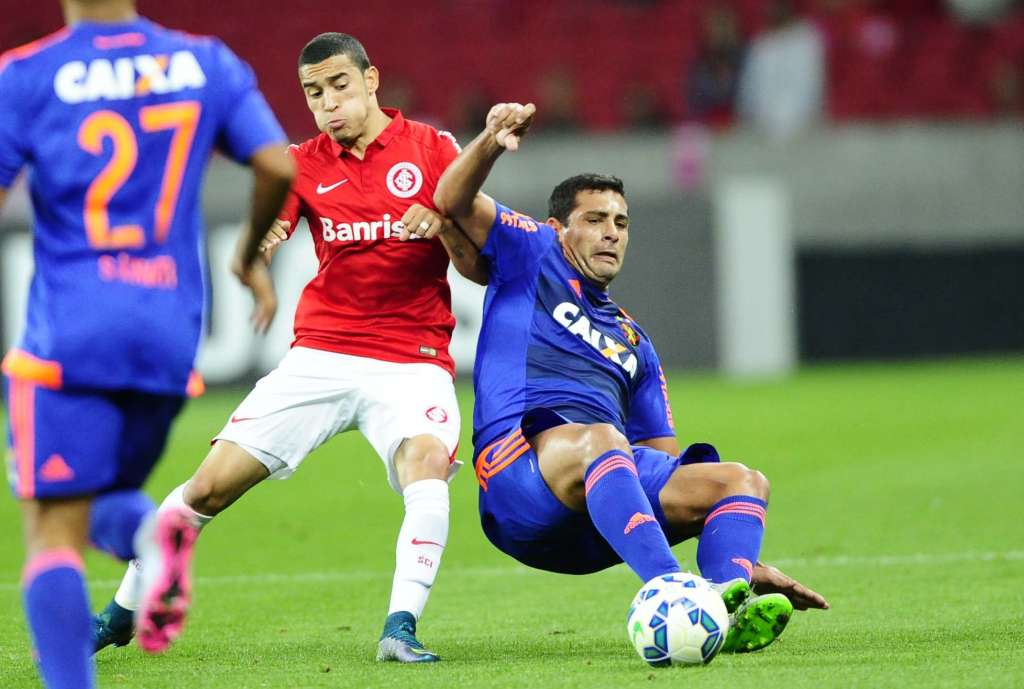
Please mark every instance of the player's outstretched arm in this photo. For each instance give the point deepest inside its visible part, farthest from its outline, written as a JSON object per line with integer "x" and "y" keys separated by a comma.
{"x": 3, "y": 197}
{"x": 273, "y": 171}
{"x": 458, "y": 193}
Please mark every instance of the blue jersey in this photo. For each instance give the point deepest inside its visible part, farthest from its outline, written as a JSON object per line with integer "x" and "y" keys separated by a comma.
{"x": 115, "y": 123}
{"x": 551, "y": 340}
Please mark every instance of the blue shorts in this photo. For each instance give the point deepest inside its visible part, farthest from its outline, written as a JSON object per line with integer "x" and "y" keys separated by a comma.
{"x": 524, "y": 519}
{"x": 70, "y": 443}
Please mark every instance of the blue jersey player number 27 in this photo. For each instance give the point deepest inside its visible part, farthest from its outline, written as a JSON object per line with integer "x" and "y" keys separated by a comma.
{"x": 116, "y": 123}
{"x": 114, "y": 118}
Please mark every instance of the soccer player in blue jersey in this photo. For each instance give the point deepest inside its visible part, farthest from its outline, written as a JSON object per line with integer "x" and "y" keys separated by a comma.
{"x": 115, "y": 117}
{"x": 576, "y": 454}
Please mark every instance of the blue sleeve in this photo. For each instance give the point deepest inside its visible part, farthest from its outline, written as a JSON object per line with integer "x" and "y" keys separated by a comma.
{"x": 248, "y": 124}
{"x": 650, "y": 414}
{"x": 14, "y": 150}
{"x": 516, "y": 243}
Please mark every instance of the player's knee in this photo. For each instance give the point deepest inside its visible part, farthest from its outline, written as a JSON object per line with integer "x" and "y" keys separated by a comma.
{"x": 434, "y": 462}
{"x": 741, "y": 480}
{"x": 204, "y": 496}
{"x": 760, "y": 486}
{"x": 420, "y": 458}
{"x": 689, "y": 497}
{"x": 600, "y": 438}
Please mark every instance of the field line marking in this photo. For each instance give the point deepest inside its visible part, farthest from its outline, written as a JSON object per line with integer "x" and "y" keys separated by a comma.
{"x": 918, "y": 559}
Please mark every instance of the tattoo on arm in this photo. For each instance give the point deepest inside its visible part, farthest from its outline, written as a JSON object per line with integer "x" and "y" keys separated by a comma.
{"x": 456, "y": 248}
{"x": 465, "y": 254}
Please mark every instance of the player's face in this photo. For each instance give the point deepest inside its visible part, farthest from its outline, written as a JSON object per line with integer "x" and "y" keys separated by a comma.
{"x": 596, "y": 236}
{"x": 338, "y": 94}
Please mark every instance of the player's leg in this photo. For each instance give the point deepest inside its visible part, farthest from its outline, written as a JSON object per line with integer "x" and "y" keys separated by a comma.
{"x": 591, "y": 468}
{"x": 227, "y": 473}
{"x": 53, "y": 586}
{"x": 422, "y": 463}
{"x": 724, "y": 504}
{"x": 410, "y": 415}
{"x": 290, "y": 412}
{"x": 522, "y": 517}
{"x": 119, "y": 513}
{"x": 224, "y": 476}
{"x": 114, "y": 520}
{"x": 165, "y": 590}
{"x": 55, "y": 469}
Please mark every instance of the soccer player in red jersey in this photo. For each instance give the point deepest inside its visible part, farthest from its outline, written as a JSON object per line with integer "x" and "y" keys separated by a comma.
{"x": 116, "y": 118}
{"x": 371, "y": 332}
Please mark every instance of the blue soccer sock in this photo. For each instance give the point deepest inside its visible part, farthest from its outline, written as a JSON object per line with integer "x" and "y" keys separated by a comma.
{"x": 57, "y": 608}
{"x": 731, "y": 542}
{"x": 114, "y": 519}
{"x": 622, "y": 514}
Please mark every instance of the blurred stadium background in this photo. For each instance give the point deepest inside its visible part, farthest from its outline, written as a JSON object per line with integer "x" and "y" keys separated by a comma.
{"x": 810, "y": 181}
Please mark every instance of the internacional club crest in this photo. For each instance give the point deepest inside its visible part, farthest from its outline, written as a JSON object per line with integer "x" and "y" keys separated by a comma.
{"x": 437, "y": 415}
{"x": 404, "y": 180}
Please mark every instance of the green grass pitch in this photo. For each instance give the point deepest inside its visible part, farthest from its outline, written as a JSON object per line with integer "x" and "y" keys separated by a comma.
{"x": 898, "y": 492}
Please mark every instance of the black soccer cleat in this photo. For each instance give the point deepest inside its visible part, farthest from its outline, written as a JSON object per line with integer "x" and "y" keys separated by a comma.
{"x": 399, "y": 643}
{"x": 113, "y": 626}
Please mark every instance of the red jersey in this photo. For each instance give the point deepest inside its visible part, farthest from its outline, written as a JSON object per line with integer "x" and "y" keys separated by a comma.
{"x": 373, "y": 295}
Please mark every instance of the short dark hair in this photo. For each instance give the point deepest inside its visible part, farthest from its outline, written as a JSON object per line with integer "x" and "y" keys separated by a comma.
{"x": 333, "y": 43}
{"x": 563, "y": 198}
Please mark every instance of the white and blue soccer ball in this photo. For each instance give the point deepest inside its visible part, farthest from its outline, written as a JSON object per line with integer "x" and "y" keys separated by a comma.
{"x": 677, "y": 619}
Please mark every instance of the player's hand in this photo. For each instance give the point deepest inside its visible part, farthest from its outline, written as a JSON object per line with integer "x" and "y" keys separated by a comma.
{"x": 768, "y": 579}
{"x": 257, "y": 279}
{"x": 275, "y": 236}
{"x": 509, "y": 122}
{"x": 420, "y": 222}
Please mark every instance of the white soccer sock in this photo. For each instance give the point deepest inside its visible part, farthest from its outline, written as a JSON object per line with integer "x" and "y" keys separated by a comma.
{"x": 127, "y": 594}
{"x": 421, "y": 542}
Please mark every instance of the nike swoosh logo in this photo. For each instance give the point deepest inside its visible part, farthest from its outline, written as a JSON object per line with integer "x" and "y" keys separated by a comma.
{"x": 321, "y": 189}
{"x": 416, "y": 541}
{"x": 236, "y": 419}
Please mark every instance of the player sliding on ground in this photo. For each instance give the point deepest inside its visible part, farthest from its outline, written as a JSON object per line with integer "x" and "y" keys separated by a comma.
{"x": 371, "y": 333}
{"x": 116, "y": 117}
{"x": 576, "y": 454}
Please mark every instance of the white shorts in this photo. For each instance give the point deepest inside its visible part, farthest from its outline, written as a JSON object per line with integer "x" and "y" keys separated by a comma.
{"x": 313, "y": 395}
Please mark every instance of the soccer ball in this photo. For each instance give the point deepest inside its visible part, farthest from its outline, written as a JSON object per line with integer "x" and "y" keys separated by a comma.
{"x": 677, "y": 619}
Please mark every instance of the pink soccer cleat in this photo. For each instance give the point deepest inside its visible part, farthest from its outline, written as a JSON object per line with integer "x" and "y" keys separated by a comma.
{"x": 166, "y": 586}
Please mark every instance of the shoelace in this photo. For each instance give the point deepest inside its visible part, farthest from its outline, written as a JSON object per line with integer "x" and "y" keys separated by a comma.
{"x": 406, "y": 634}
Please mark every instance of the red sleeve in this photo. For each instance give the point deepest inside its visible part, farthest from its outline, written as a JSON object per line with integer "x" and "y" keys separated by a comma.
{"x": 448, "y": 150}
{"x": 290, "y": 211}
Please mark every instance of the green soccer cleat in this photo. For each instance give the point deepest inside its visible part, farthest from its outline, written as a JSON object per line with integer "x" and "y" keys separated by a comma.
{"x": 113, "y": 626}
{"x": 399, "y": 642}
{"x": 757, "y": 623}
{"x": 734, "y": 593}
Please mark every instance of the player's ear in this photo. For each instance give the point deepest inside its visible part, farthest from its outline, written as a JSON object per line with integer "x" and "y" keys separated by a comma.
{"x": 555, "y": 223}
{"x": 372, "y": 78}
